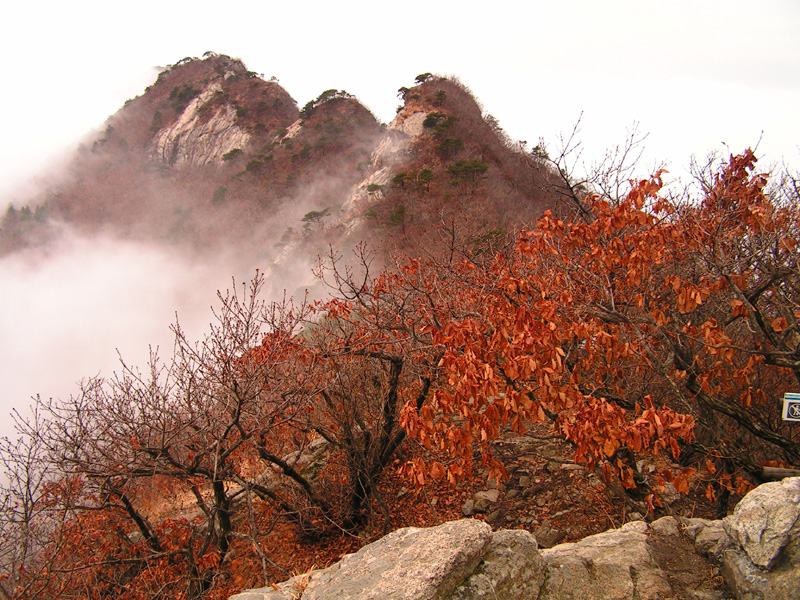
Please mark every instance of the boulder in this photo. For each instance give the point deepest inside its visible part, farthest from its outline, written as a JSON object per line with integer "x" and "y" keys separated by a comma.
{"x": 511, "y": 569}
{"x": 766, "y": 521}
{"x": 408, "y": 564}
{"x": 758, "y": 548}
{"x": 615, "y": 565}
{"x": 693, "y": 526}
{"x": 763, "y": 558}
{"x": 468, "y": 509}
{"x": 480, "y": 502}
{"x": 748, "y": 582}
{"x": 484, "y": 499}
{"x": 712, "y": 541}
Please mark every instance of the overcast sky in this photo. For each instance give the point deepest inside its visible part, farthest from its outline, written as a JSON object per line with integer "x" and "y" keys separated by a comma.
{"x": 695, "y": 75}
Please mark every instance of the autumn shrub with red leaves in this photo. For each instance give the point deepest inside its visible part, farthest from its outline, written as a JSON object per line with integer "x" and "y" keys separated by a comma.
{"x": 646, "y": 326}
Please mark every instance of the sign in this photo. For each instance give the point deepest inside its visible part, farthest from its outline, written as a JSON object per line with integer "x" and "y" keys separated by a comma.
{"x": 791, "y": 407}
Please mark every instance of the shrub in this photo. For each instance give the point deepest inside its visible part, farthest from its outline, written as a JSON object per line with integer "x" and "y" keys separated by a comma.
{"x": 425, "y": 177}
{"x": 401, "y": 178}
{"x": 439, "y": 122}
{"x": 324, "y": 97}
{"x": 315, "y": 218}
{"x": 449, "y": 146}
{"x": 232, "y": 154}
{"x": 398, "y": 216}
{"x": 219, "y": 194}
{"x": 156, "y": 123}
{"x": 181, "y": 96}
{"x": 433, "y": 119}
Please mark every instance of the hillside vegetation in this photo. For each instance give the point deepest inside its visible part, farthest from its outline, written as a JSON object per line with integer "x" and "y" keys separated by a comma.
{"x": 650, "y": 336}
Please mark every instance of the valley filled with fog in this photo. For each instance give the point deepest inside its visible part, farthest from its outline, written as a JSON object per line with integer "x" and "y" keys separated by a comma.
{"x": 69, "y": 310}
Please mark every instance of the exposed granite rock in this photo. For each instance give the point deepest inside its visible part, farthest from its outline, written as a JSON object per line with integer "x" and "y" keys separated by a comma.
{"x": 403, "y": 129}
{"x": 194, "y": 141}
{"x": 712, "y": 541}
{"x": 608, "y": 566}
{"x": 758, "y": 548}
{"x": 763, "y": 561}
{"x": 766, "y": 521}
{"x": 410, "y": 123}
{"x": 407, "y": 564}
{"x": 511, "y": 569}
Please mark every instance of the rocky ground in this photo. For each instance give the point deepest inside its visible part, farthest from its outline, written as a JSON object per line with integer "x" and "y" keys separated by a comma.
{"x": 547, "y": 494}
{"x": 756, "y": 549}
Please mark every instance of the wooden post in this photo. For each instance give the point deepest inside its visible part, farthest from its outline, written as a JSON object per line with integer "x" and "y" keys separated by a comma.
{"x": 775, "y": 473}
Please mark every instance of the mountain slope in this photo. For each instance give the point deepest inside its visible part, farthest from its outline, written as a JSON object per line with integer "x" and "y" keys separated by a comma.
{"x": 212, "y": 155}
{"x": 441, "y": 162}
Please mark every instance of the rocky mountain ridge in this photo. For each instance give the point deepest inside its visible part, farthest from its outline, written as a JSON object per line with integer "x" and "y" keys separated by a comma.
{"x": 192, "y": 141}
{"x": 212, "y": 149}
{"x": 755, "y": 552}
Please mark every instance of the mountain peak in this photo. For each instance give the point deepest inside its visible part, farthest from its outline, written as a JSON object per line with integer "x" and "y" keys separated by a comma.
{"x": 198, "y": 110}
{"x": 211, "y": 148}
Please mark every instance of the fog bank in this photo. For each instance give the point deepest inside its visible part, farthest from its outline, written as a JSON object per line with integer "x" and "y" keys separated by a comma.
{"x": 66, "y": 310}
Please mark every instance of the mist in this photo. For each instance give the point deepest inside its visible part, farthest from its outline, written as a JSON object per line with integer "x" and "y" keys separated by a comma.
{"x": 71, "y": 309}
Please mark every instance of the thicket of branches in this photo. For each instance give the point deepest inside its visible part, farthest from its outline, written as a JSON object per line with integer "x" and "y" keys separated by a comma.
{"x": 645, "y": 325}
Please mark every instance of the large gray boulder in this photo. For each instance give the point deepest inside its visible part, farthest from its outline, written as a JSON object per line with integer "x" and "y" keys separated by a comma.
{"x": 763, "y": 560}
{"x": 407, "y": 564}
{"x": 758, "y": 548}
{"x": 511, "y": 569}
{"x": 615, "y": 565}
{"x": 766, "y": 521}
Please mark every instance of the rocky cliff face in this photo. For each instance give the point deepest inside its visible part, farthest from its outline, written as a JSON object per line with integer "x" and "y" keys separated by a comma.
{"x": 189, "y": 140}
{"x": 394, "y": 147}
{"x": 441, "y": 160}
{"x": 757, "y": 550}
{"x": 212, "y": 151}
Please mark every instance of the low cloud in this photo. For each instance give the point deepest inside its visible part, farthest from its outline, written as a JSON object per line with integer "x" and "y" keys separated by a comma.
{"x": 66, "y": 310}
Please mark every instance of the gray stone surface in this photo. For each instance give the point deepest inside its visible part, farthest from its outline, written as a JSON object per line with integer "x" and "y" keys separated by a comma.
{"x": 511, "y": 569}
{"x": 615, "y": 565}
{"x": 468, "y": 509}
{"x": 407, "y": 564}
{"x": 766, "y": 520}
{"x": 195, "y": 141}
{"x": 712, "y": 541}
{"x": 483, "y": 500}
{"x": 666, "y": 526}
{"x": 693, "y": 526}
{"x": 762, "y": 560}
{"x": 464, "y": 560}
{"x": 751, "y": 583}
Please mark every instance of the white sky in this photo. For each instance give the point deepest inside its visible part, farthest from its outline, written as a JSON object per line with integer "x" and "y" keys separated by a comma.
{"x": 694, "y": 74}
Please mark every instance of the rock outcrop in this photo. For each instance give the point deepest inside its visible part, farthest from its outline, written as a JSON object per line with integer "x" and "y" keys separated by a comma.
{"x": 614, "y": 564}
{"x": 393, "y": 146}
{"x": 763, "y": 560}
{"x": 757, "y": 549}
{"x": 191, "y": 140}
